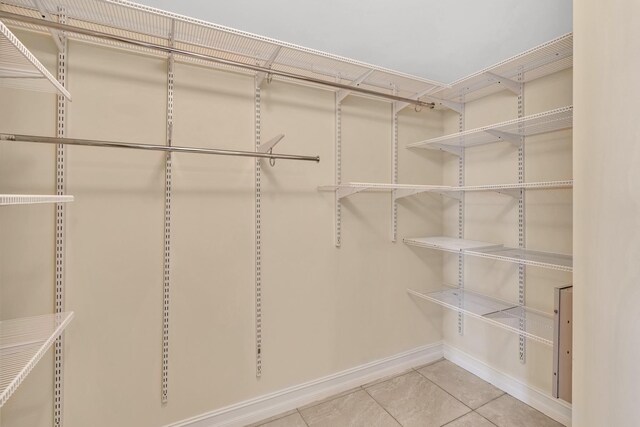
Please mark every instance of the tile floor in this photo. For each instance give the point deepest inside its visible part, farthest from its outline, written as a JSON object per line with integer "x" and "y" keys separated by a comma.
{"x": 439, "y": 394}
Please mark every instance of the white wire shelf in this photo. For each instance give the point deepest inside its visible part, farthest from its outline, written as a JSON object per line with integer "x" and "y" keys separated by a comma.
{"x": 405, "y": 190}
{"x": 511, "y": 131}
{"x": 152, "y": 25}
{"x": 30, "y": 199}
{"x": 23, "y": 342}
{"x": 449, "y": 244}
{"x": 20, "y": 69}
{"x": 549, "y": 260}
{"x": 548, "y": 58}
{"x": 400, "y": 190}
{"x": 533, "y": 324}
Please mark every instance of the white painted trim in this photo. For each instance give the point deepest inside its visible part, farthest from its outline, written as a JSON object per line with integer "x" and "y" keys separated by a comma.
{"x": 554, "y": 408}
{"x": 268, "y": 405}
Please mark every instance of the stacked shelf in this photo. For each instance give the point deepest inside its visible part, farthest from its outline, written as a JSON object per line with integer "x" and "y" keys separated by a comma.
{"x": 124, "y": 19}
{"x": 524, "y": 321}
{"x": 23, "y": 342}
{"x": 20, "y": 69}
{"x": 30, "y": 199}
{"x": 400, "y": 190}
{"x": 548, "y": 58}
{"x": 549, "y": 260}
{"x": 405, "y": 190}
{"x": 512, "y": 131}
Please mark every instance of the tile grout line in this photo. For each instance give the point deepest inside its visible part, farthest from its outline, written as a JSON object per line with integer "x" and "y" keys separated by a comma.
{"x": 455, "y": 419}
{"x": 488, "y": 420}
{"x": 467, "y": 406}
{"x": 382, "y": 406}
{"x": 303, "y": 420}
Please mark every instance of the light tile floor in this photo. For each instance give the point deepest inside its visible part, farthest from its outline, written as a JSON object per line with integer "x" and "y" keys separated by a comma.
{"x": 439, "y": 394}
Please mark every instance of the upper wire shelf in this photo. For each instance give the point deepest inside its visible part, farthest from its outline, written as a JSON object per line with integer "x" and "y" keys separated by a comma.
{"x": 147, "y": 24}
{"x": 29, "y": 199}
{"x": 511, "y": 131}
{"x": 20, "y": 69}
{"x": 23, "y": 342}
{"x": 522, "y": 320}
{"x": 542, "y": 60}
{"x": 549, "y": 260}
{"x": 405, "y": 190}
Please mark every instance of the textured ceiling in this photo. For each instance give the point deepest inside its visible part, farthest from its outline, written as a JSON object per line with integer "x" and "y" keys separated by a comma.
{"x": 436, "y": 39}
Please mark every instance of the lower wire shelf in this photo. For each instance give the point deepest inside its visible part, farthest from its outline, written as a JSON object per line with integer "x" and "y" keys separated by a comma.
{"x": 30, "y": 199}
{"x": 531, "y": 323}
{"x": 23, "y": 342}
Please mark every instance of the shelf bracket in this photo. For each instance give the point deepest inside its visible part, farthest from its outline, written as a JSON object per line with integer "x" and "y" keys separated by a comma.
{"x": 261, "y": 75}
{"x": 57, "y": 38}
{"x": 406, "y": 192}
{"x": 343, "y": 93}
{"x": 457, "y": 195}
{"x": 513, "y": 138}
{"x": 342, "y": 192}
{"x": 511, "y": 85}
{"x": 267, "y": 146}
{"x": 511, "y": 192}
{"x": 458, "y": 107}
{"x": 399, "y": 105}
{"x": 449, "y": 149}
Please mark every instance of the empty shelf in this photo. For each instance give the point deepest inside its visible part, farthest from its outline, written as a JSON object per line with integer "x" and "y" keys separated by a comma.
{"x": 512, "y": 131}
{"x": 147, "y": 24}
{"x": 402, "y": 190}
{"x": 23, "y": 342}
{"x": 548, "y": 260}
{"x": 509, "y": 189}
{"x": 522, "y": 320}
{"x": 20, "y": 69}
{"x": 548, "y": 58}
{"x": 29, "y": 199}
{"x": 448, "y": 244}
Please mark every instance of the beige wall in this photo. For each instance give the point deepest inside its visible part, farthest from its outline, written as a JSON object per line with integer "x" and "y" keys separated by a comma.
{"x": 325, "y": 309}
{"x": 606, "y": 376}
{"x": 494, "y": 218}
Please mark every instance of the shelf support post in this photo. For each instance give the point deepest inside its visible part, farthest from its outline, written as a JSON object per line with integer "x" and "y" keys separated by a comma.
{"x": 166, "y": 277}
{"x": 338, "y": 170}
{"x": 522, "y": 269}
{"x": 461, "y": 181}
{"x": 61, "y": 189}
{"x": 394, "y": 169}
{"x": 258, "y": 228}
{"x": 261, "y": 75}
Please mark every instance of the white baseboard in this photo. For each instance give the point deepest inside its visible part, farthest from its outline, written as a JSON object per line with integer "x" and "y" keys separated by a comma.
{"x": 266, "y": 406}
{"x": 548, "y": 405}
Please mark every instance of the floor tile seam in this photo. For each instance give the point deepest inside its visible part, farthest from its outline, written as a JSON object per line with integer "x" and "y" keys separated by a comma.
{"x": 301, "y": 417}
{"x": 467, "y": 406}
{"x": 494, "y": 399}
{"x": 490, "y": 422}
{"x": 383, "y": 408}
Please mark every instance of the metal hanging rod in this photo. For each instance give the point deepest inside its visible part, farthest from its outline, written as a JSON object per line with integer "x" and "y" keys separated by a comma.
{"x": 151, "y": 147}
{"x": 168, "y": 50}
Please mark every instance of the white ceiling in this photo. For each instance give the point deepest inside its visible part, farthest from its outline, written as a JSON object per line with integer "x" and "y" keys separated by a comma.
{"x": 442, "y": 40}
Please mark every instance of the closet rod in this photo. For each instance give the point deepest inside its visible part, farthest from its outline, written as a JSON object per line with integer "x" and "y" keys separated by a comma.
{"x": 151, "y": 147}
{"x": 167, "y": 49}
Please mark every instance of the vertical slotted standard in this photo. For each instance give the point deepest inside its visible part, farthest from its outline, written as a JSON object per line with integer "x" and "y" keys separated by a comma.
{"x": 394, "y": 172}
{"x": 338, "y": 171}
{"x": 58, "y": 349}
{"x": 258, "y": 248}
{"x": 522, "y": 268}
{"x": 166, "y": 278}
{"x": 461, "y": 214}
